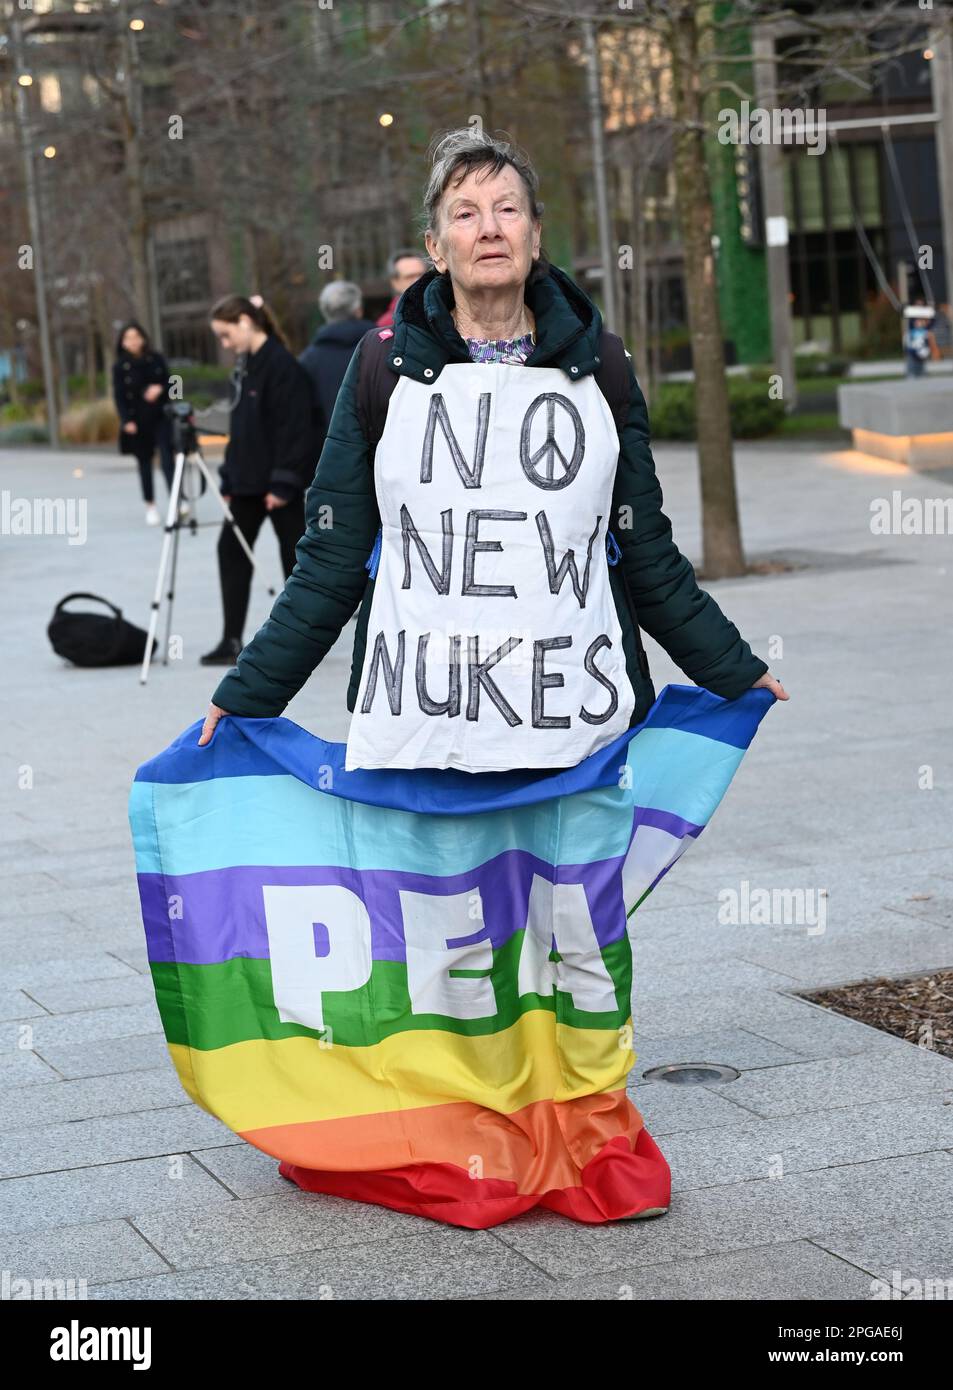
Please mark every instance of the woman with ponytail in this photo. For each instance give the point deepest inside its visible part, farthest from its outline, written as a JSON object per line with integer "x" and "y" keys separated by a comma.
{"x": 269, "y": 459}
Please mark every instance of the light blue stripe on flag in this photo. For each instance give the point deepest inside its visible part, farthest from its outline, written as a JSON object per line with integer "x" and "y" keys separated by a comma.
{"x": 279, "y": 820}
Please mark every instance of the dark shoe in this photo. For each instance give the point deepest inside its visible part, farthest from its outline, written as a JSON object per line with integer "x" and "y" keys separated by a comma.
{"x": 225, "y": 654}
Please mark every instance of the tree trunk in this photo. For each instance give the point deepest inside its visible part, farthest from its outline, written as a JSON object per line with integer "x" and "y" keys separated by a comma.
{"x": 722, "y": 553}
{"x": 91, "y": 372}
{"x": 639, "y": 316}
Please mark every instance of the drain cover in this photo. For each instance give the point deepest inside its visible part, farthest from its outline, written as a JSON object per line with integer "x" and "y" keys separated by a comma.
{"x": 691, "y": 1073}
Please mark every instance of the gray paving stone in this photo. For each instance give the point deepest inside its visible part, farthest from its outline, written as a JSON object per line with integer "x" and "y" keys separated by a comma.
{"x": 14, "y": 1004}
{"x": 266, "y": 1227}
{"x": 141, "y": 1053}
{"x": 793, "y": 1023}
{"x": 86, "y": 904}
{"x": 937, "y": 908}
{"x": 715, "y": 1220}
{"x": 23, "y": 1068}
{"x": 441, "y": 1262}
{"x": 20, "y": 851}
{"x": 83, "y": 996}
{"x": 668, "y": 1109}
{"x": 97, "y": 1025}
{"x": 244, "y": 1170}
{"x": 135, "y": 955}
{"x": 30, "y": 975}
{"x": 104, "y": 874}
{"x": 821, "y": 1033}
{"x": 795, "y": 1270}
{"x": 106, "y": 1191}
{"x": 63, "y": 938}
{"x": 97, "y": 1253}
{"x": 734, "y": 1046}
{"x": 842, "y": 1081}
{"x": 682, "y": 978}
{"x": 137, "y": 1093}
{"x": 709, "y": 1158}
{"x": 109, "y": 1139}
{"x": 23, "y": 887}
{"x": 831, "y": 960}
{"x": 915, "y": 1249}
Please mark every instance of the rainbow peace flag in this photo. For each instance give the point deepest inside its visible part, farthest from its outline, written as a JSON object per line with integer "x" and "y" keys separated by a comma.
{"x": 413, "y": 988}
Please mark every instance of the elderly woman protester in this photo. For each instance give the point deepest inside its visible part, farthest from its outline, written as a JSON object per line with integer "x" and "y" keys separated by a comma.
{"x": 487, "y": 498}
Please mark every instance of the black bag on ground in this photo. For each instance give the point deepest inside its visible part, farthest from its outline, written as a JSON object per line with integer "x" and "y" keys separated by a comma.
{"x": 93, "y": 639}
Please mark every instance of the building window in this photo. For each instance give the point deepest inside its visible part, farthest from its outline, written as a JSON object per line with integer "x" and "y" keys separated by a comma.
{"x": 826, "y": 195}
{"x": 183, "y": 272}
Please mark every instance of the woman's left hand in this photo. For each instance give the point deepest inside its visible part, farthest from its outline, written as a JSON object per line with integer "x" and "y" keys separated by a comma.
{"x": 272, "y": 500}
{"x": 768, "y": 682}
{"x": 153, "y": 392}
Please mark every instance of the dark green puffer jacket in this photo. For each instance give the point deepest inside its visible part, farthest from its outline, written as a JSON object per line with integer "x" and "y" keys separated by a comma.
{"x": 653, "y": 579}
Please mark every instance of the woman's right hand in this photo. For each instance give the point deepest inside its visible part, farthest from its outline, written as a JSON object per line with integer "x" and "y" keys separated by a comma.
{"x": 130, "y": 427}
{"x": 211, "y": 719}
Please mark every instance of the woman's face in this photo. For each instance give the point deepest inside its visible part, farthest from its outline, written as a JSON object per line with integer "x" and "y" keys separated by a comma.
{"x": 486, "y": 237}
{"x": 234, "y": 337}
{"x": 133, "y": 341}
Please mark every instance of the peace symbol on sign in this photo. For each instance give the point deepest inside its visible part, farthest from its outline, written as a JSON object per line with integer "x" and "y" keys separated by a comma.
{"x": 549, "y": 455}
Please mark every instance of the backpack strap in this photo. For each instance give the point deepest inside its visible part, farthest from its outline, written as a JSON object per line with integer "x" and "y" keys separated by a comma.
{"x": 612, "y": 377}
{"x": 376, "y": 381}
{"x": 375, "y": 384}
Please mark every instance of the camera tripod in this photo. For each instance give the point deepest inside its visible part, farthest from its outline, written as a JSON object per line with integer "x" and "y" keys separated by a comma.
{"x": 187, "y": 452}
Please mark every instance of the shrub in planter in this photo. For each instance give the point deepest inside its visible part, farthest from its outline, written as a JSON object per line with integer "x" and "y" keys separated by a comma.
{"x": 753, "y": 413}
{"x": 25, "y": 432}
{"x": 672, "y": 415}
{"x": 93, "y": 423}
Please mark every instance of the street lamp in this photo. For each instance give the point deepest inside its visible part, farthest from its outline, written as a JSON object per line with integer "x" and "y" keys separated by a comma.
{"x": 24, "y": 128}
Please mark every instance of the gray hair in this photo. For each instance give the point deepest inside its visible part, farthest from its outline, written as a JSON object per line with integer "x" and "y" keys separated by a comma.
{"x": 456, "y": 153}
{"x": 342, "y": 299}
{"x": 406, "y": 253}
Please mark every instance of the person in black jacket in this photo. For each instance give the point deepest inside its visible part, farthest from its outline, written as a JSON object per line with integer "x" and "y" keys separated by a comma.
{"x": 140, "y": 390}
{"x": 270, "y": 456}
{"x": 326, "y": 357}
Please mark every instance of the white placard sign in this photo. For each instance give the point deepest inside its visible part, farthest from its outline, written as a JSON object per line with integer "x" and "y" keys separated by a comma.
{"x": 492, "y": 640}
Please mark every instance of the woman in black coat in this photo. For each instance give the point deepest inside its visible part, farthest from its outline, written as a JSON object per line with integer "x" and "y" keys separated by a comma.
{"x": 140, "y": 390}
{"x": 269, "y": 459}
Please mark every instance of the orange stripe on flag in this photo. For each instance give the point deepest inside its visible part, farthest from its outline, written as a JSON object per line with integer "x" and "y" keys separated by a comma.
{"x": 542, "y": 1146}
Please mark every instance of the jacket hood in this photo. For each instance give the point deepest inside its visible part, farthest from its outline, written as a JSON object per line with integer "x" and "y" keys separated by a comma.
{"x": 342, "y": 333}
{"x": 568, "y": 327}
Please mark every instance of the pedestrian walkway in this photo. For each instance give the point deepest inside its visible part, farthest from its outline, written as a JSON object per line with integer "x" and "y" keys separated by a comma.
{"x": 826, "y": 1165}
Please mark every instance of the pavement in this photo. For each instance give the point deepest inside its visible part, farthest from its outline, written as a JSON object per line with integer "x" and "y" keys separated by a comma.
{"x": 824, "y": 1166}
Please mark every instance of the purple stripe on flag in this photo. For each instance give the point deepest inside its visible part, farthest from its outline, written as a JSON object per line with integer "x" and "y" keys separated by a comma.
{"x": 213, "y": 916}
{"x": 665, "y": 820}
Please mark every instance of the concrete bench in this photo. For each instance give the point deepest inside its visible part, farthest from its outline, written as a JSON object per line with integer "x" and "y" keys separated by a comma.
{"x": 908, "y": 421}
